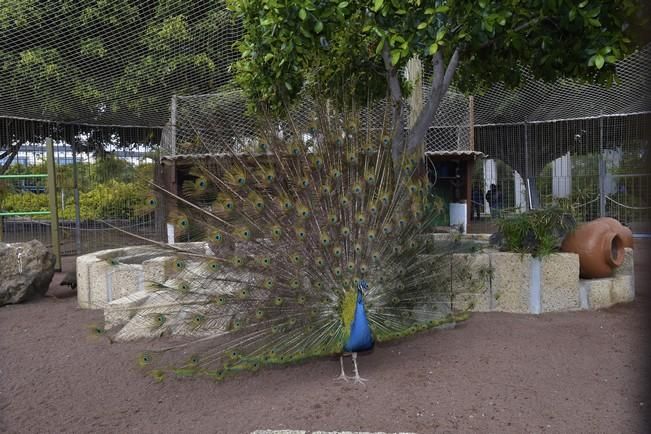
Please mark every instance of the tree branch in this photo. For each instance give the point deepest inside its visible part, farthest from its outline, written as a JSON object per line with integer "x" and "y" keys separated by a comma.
{"x": 398, "y": 133}
{"x": 10, "y": 158}
{"x": 441, "y": 80}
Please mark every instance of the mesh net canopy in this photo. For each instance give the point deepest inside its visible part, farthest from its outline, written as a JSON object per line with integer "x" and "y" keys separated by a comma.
{"x": 114, "y": 82}
{"x": 119, "y": 63}
{"x": 111, "y": 62}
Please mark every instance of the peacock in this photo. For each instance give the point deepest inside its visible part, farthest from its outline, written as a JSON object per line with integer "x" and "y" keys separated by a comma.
{"x": 296, "y": 244}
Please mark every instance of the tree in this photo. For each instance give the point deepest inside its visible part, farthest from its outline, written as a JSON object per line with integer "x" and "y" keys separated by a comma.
{"x": 90, "y": 60}
{"x": 356, "y": 49}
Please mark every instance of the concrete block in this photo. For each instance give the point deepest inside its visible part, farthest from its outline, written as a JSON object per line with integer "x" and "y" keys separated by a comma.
{"x": 156, "y": 270}
{"x": 119, "y": 312}
{"x": 100, "y": 287}
{"x": 124, "y": 280}
{"x": 559, "y": 282}
{"x": 623, "y": 289}
{"x": 627, "y": 267}
{"x": 511, "y": 276}
{"x": 84, "y": 279}
{"x": 471, "y": 281}
{"x": 598, "y": 292}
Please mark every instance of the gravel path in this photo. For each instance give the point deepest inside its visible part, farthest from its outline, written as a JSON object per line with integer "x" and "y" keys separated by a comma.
{"x": 566, "y": 372}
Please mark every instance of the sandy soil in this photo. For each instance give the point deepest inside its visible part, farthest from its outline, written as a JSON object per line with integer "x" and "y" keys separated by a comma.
{"x": 567, "y": 372}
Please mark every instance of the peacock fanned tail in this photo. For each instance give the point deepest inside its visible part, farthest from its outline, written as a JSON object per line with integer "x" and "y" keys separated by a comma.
{"x": 288, "y": 227}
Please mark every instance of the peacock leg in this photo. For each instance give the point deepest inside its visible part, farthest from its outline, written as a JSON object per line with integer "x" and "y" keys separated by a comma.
{"x": 343, "y": 375}
{"x": 357, "y": 378}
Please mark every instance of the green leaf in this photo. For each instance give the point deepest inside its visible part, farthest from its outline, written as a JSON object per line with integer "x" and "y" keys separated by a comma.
{"x": 433, "y": 48}
{"x": 395, "y": 56}
{"x": 302, "y": 14}
{"x": 442, "y": 9}
{"x": 429, "y": 11}
{"x": 594, "y": 22}
{"x": 378, "y": 47}
{"x": 377, "y": 5}
{"x": 583, "y": 4}
{"x": 440, "y": 34}
{"x": 599, "y": 61}
{"x": 288, "y": 86}
{"x": 268, "y": 57}
{"x": 318, "y": 27}
{"x": 572, "y": 14}
{"x": 342, "y": 5}
{"x": 421, "y": 26}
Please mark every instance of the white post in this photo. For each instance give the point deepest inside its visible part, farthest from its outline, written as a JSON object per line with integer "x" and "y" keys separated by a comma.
{"x": 520, "y": 192}
{"x": 170, "y": 233}
{"x": 562, "y": 176}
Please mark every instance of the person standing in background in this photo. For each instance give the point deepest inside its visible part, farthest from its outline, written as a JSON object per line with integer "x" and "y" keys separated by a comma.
{"x": 494, "y": 199}
{"x": 477, "y": 202}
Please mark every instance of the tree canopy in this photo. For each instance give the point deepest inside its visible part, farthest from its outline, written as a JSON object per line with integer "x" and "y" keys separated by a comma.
{"x": 88, "y": 60}
{"x": 345, "y": 48}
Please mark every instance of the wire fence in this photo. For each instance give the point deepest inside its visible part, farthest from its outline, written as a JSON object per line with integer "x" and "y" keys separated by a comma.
{"x": 593, "y": 166}
{"x": 118, "y": 86}
{"x": 100, "y": 197}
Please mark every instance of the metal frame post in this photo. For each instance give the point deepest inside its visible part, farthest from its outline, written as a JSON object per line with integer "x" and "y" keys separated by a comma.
{"x": 602, "y": 169}
{"x": 75, "y": 186}
{"x": 173, "y": 123}
{"x": 52, "y": 198}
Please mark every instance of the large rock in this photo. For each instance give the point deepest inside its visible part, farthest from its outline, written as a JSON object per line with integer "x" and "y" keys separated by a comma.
{"x": 25, "y": 271}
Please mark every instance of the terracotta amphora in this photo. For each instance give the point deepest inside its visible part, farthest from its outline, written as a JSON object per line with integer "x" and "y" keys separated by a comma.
{"x": 621, "y": 230}
{"x": 599, "y": 247}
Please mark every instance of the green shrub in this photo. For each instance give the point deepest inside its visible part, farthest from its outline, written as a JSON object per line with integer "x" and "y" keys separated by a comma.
{"x": 110, "y": 200}
{"x": 26, "y": 201}
{"x": 539, "y": 232}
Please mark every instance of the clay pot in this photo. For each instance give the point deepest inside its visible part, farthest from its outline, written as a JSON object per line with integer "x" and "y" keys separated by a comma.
{"x": 621, "y": 230}
{"x": 600, "y": 249}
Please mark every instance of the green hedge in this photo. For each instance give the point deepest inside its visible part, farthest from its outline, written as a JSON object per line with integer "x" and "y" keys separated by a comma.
{"x": 110, "y": 200}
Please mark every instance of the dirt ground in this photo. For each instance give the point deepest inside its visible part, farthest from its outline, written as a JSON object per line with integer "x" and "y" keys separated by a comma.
{"x": 567, "y": 372}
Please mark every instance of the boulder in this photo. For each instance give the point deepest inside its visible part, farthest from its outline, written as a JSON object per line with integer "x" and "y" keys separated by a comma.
{"x": 25, "y": 271}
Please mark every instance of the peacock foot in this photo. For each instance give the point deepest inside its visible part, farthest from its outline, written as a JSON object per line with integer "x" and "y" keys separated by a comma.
{"x": 343, "y": 377}
{"x": 359, "y": 380}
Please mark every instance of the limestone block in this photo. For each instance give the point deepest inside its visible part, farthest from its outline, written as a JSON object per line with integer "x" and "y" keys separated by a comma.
{"x": 559, "y": 282}
{"x": 598, "y": 292}
{"x": 100, "y": 288}
{"x": 623, "y": 289}
{"x": 627, "y": 266}
{"x": 511, "y": 275}
{"x": 119, "y": 312}
{"x": 84, "y": 279}
{"x": 124, "y": 279}
{"x": 155, "y": 270}
{"x": 471, "y": 281}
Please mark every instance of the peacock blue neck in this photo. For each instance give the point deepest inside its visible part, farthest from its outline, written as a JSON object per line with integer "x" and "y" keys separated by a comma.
{"x": 361, "y": 337}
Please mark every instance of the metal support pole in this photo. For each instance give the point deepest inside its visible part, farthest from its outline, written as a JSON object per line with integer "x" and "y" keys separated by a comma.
{"x": 75, "y": 186}
{"x": 602, "y": 170}
{"x": 173, "y": 123}
{"x": 52, "y": 196}
{"x": 471, "y": 122}
{"x": 526, "y": 166}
